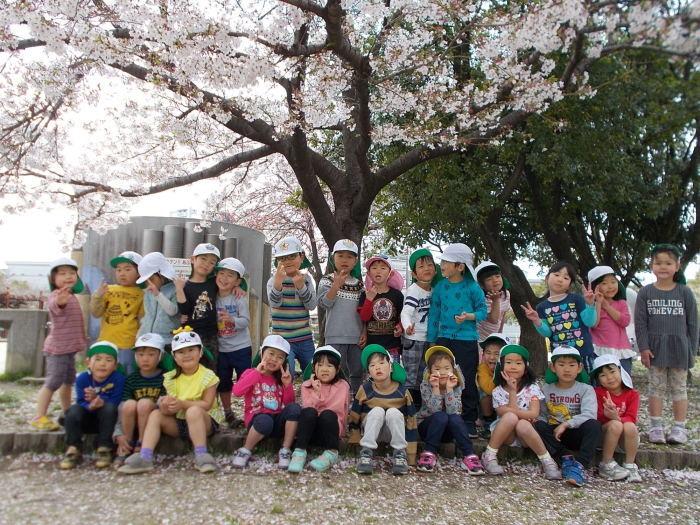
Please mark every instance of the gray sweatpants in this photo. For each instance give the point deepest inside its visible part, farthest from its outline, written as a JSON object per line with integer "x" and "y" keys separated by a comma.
{"x": 351, "y": 364}
{"x": 384, "y": 425}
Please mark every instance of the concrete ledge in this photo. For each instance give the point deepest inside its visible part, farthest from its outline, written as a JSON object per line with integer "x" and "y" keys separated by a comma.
{"x": 227, "y": 442}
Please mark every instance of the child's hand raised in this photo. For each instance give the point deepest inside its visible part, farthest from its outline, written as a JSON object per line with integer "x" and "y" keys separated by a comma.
{"x": 460, "y": 318}
{"x": 298, "y": 280}
{"x": 511, "y": 382}
{"x": 371, "y": 292}
{"x": 398, "y": 330}
{"x": 589, "y": 294}
{"x": 179, "y": 283}
{"x": 494, "y": 296}
{"x": 102, "y": 290}
{"x": 286, "y": 377}
{"x": 609, "y": 407}
{"x": 531, "y": 314}
{"x": 238, "y": 292}
{"x": 315, "y": 383}
{"x": 339, "y": 278}
{"x": 63, "y": 295}
{"x": 452, "y": 381}
{"x": 152, "y": 288}
{"x": 434, "y": 380}
{"x": 261, "y": 367}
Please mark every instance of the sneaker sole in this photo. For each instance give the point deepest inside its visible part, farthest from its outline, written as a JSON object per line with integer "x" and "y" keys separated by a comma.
{"x": 206, "y": 469}
{"x": 134, "y": 470}
{"x": 574, "y": 483}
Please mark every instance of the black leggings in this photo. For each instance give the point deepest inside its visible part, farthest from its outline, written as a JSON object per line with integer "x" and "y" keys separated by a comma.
{"x": 320, "y": 429}
{"x": 81, "y": 421}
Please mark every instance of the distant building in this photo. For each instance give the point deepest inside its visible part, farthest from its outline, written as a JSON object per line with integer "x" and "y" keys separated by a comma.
{"x": 31, "y": 272}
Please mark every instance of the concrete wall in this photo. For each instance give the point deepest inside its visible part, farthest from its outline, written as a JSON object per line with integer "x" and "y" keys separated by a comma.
{"x": 25, "y": 340}
{"x": 249, "y": 246}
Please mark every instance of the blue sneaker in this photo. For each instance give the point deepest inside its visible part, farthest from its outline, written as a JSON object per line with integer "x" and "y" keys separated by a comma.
{"x": 572, "y": 471}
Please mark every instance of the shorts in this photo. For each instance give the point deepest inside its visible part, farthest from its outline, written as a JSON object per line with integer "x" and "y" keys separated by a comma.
{"x": 673, "y": 379}
{"x": 183, "y": 429}
{"x": 238, "y": 360}
{"x": 412, "y": 360}
{"x": 482, "y": 394}
{"x": 516, "y": 442}
{"x": 60, "y": 370}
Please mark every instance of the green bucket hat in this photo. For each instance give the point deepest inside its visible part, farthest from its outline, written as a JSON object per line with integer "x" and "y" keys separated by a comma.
{"x": 565, "y": 351}
{"x": 103, "y": 347}
{"x": 398, "y": 373}
{"x": 511, "y": 349}
{"x": 419, "y": 254}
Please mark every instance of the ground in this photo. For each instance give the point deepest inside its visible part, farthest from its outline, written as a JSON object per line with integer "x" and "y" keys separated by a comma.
{"x": 35, "y": 491}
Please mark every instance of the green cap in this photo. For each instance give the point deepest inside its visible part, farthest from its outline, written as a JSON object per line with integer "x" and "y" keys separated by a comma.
{"x": 398, "y": 373}
{"x": 103, "y": 347}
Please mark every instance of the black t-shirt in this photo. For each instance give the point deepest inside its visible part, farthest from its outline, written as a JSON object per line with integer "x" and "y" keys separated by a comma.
{"x": 386, "y": 313}
{"x": 200, "y": 307}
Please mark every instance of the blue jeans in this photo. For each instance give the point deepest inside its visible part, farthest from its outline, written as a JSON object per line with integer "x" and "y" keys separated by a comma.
{"x": 442, "y": 427}
{"x": 303, "y": 351}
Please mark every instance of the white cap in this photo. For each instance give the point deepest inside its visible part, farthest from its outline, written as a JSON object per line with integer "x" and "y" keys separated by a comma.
{"x": 154, "y": 262}
{"x": 496, "y": 335}
{"x": 184, "y": 340}
{"x": 233, "y": 264}
{"x": 151, "y": 341}
{"x": 275, "y": 341}
{"x": 598, "y": 272}
{"x": 327, "y": 349}
{"x": 610, "y": 359}
{"x": 287, "y": 246}
{"x": 563, "y": 350}
{"x": 62, "y": 261}
{"x": 206, "y": 248}
{"x": 127, "y": 257}
{"x": 484, "y": 265}
{"x": 345, "y": 245}
{"x": 458, "y": 253}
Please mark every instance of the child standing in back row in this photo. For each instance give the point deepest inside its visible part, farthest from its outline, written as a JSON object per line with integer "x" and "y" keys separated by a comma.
{"x": 196, "y": 296}
{"x": 414, "y": 318}
{"x": 563, "y": 316}
{"x": 457, "y": 306}
{"x": 66, "y": 338}
{"x": 489, "y": 277}
{"x": 666, "y": 322}
{"x": 120, "y": 306}
{"x": 292, "y": 295}
{"x": 381, "y": 303}
{"x": 339, "y": 295}
{"x": 609, "y": 332}
{"x": 161, "y": 314}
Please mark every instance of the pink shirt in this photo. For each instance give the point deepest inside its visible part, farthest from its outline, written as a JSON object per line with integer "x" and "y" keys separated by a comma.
{"x": 67, "y": 334}
{"x": 262, "y": 394}
{"x": 332, "y": 397}
{"x": 610, "y": 333}
{"x": 486, "y": 327}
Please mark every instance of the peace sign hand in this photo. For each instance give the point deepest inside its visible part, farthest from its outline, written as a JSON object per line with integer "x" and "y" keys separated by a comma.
{"x": 588, "y": 294}
{"x": 531, "y": 313}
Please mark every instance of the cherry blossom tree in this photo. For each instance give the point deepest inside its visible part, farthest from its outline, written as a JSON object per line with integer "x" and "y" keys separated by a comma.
{"x": 104, "y": 101}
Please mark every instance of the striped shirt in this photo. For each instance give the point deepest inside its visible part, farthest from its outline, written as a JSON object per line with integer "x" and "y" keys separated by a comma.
{"x": 67, "y": 334}
{"x": 138, "y": 387}
{"x": 290, "y": 308}
{"x": 367, "y": 398}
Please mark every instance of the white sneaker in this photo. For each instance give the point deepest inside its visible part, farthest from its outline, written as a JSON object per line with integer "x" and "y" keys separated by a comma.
{"x": 677, "y": 436}
{"x": 284, "y": 457}
{"x": 634, "y": 476}
{"x": 241, "y": 457}
{"x": 612, "y": 471}
{"x": 656, "y": 435}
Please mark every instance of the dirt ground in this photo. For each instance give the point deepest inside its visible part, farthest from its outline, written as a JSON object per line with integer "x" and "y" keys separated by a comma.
{"x": 35, "y": 491}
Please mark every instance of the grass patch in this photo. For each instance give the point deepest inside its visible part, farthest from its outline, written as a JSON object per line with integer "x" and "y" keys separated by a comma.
{"x": 8, "y": 398}
{"x": 11, "y": 377}
{"x": 277, "y": 509}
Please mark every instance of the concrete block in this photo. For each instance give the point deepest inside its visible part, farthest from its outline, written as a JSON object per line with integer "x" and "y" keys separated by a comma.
{"x": 7, "y": 440}
{"x": 25, "y": 340}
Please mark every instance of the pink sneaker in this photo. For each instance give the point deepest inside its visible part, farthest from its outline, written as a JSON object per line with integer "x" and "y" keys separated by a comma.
{"x": 427, "y": 462}
{"x": 472, "y": 464}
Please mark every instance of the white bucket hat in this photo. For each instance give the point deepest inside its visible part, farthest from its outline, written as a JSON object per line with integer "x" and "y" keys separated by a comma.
{"x": 151, "y": 341}
{"x": 610, "y": 359}
{"x": 184, "y": 340}
{"x": 459, "y": 253}
{"x": 152, "y": 263}
{"x": 233, "y": 264}
{"x": 345, "y": 245}
{"x": 206, "y": 248}
{"x": 66, "y": 261}
{"x": 287, "y": 246}
{"x": 127, "y": 257}
{"x": 598, "y": 272}
{"x": 275, "y": 341}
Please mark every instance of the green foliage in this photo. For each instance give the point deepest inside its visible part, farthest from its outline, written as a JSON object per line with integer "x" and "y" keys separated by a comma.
{"x": 603, "y": 177}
